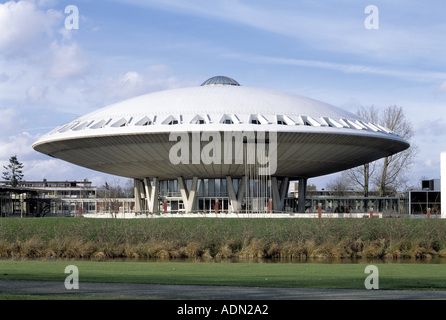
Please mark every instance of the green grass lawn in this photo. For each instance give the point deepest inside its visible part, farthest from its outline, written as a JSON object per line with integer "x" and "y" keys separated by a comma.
{"x": 303, "y": 275}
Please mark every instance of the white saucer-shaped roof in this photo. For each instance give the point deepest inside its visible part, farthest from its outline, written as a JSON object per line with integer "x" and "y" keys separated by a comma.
{"x": 131, "y": 138}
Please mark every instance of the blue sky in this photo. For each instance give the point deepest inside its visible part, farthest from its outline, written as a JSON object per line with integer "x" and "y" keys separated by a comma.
{"x": 50, "y": 75}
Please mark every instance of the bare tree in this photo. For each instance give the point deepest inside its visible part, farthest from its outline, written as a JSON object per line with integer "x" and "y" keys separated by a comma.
{"x": 339, "y": 186}
{"x": 389, "y": 173}
{"x": 361, "y": 176}
{"x": 109, "y": 192}
{"x": 392, "y": 170}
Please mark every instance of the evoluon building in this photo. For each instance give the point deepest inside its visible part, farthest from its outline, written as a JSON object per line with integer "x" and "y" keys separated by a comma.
{"x": 219, "y": 144}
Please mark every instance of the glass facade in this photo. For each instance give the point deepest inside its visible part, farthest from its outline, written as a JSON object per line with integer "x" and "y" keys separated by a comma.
{"x": 257, "y": 195}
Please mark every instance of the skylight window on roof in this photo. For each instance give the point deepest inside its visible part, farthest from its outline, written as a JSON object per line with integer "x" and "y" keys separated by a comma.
{"x": 343, "y": 123}
{"x": 229, "y": 119}
{"x": 81, "y": 126}
{"x": 309, "y": 121}
{"x": 69, "y": 126}
{"x": 353, "y": 125}
{"x": 145, "y": 121}
{"x": 62, "y": 128}
{"x": 280, "y": 119}
{"x": 370, "y": 126}
{"x": 170, "y": 120}
{"x": 120, "y": 123}
{"x": 198, "y": 119}
{"x": 333, "y": 123}
{"x": 98, "y": 125}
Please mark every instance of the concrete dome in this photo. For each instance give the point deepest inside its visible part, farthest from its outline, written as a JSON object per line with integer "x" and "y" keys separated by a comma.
{"x": 131, "y": 138}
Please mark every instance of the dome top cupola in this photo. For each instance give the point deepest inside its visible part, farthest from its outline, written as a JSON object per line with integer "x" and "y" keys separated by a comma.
{"x": 220, "y": 80}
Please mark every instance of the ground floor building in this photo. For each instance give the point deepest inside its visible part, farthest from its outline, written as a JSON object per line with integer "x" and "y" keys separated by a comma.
{"x": 206, "y": 196}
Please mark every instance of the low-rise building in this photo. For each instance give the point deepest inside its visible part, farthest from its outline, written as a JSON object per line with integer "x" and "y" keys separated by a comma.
{"x": 57, "y": 198}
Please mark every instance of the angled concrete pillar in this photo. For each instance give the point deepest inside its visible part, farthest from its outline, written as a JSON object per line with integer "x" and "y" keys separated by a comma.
{"x": 188, "y": 196}
{"x": 236, "y": 199}
{"x": 139, "y": 195}
{"x": 151, "y": 194}
{"x": 279, "y": 194}
{"x": 302, "y": 195}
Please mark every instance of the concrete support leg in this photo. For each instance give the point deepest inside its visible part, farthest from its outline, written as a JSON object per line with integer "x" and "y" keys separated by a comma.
{"x": 139, "y": 195}
{"x": 236, "y": 199}
{"x": 279, "y": 194}
{"x": 151, "y": 194}
{"x": 188, "y": 196}
{"x": 302, "y": 195}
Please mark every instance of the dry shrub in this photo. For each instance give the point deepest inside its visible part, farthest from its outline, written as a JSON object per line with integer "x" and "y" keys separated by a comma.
{"x": 31, "y": 248}
{"x": 442, "y": 253}
{"x": 256, "y": 248}
{"x": 5, "y": 249}
{"x": 395, "y": 254}
{"x": 375, "y": 249}
{"x": 273, "y": 250}
{"x": 164, "y": 249}
{"x": 292, "y": 250}
{"x": 99, "y": 256}
{"x": 193, "y": 250}
{"x": 298, "y": 249}
{"x": 229, "y": 248}
{"x": 310, "y": 249}
{"x": 225, "y": 252}
{"x": 350, "y": 248}
{"x": 164, "y": 254}
{"x": 70, "y": 248}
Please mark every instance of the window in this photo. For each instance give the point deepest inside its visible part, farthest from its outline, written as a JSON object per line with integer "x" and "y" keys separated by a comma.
{"x": 229, "y": 119}
{"x": 284, "y": 120}
{"x": 170, "y": 120}
{"x": 144, "y": 122}
{"x": 120, "y": 123}
{"x": 98, "y": 125}
{"x": 199, "y": 119}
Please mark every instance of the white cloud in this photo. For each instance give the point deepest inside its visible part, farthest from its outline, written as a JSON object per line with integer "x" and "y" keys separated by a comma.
{"x": 36, "y": 94}
{"x": 19, "y": 145}
{"x": 441, "y": 88}
{"x": 132, "y": 83}
{"x": 51, "y": 169}
{"x": 8, "y": 118}
{"x": 22, "y": 23}
{"x": 419, "y": 76}
{"x": 433, "y": 129}
{"x": 68, "y": 62}
{"x": 326, "y": 27}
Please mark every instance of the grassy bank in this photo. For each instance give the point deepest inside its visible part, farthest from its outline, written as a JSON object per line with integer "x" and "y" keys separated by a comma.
{"x": 221, "y": 238}
{"x": 340, "y": 276}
